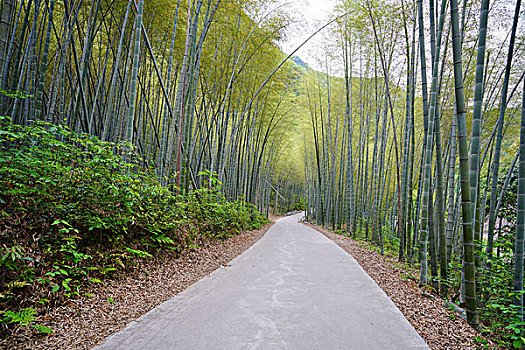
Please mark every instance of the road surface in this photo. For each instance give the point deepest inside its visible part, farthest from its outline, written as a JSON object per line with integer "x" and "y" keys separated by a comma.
{"x": 294, "y": 289}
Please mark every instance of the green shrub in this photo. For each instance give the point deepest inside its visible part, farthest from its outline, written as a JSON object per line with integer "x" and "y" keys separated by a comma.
{"x": 73, "y": 212}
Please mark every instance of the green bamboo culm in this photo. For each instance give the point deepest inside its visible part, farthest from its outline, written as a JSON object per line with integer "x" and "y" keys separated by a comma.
{"x": 134, "y": 73}
{"x": 476, "y": 115}
{"x": 43, "y": 65}
{"x": 466, "y": 209}
{"x": 406, "y": 146}
{"x": 499, "y": 136}
{"x": 435, "y": 121}
{"x": 424, "y": 198}
{"x": 520, "y": 216}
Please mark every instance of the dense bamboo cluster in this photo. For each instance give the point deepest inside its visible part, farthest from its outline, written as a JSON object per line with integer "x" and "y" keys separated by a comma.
{"x": 175, "y": 79}
{"x": 408, "y": 142}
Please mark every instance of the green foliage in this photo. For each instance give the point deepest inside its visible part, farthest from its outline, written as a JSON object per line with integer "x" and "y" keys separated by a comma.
{"x": 15, "y": 94}
{"x": 500, "y": 316}
{"x": 24, "y": 318}
{"x": 74, "y": 212}
{"x": 507, "y": 322}
{"x": 299, "y": 206}
{"x": 139, "y": 253}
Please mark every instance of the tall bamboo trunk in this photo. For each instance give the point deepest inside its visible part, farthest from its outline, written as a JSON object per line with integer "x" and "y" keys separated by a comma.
{"x": 468, "y": 238}
{"x": 6, "y": 15}
{"x": 499, "y": 136}
{"x": 520, "y": 216}
{"x": 134, "y": 74}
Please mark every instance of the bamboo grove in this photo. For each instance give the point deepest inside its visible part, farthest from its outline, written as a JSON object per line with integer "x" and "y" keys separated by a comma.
{"x": 176, "y": 80}
{"x": 412, "y": 141}
{"x": 412, "y": 135}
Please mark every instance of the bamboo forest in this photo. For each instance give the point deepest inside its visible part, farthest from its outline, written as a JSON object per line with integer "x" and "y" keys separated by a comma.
{"x": 133, "y": 131}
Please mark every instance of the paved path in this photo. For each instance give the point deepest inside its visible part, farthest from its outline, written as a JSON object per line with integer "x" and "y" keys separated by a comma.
{"x": 294, "y": 289}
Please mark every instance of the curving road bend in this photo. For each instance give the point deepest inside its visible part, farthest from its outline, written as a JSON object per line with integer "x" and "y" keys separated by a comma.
{"x": 294, "y": 289}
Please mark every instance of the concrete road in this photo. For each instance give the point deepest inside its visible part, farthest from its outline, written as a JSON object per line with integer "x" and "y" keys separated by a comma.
{"x": 294, "y": 289}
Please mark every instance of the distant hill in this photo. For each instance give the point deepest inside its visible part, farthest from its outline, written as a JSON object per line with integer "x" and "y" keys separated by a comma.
{"x": 299, "y": 62}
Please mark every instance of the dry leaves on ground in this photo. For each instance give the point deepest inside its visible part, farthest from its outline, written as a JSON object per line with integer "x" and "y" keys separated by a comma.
{"x": 424, "y": 311}
{"x": 85, "y": 322}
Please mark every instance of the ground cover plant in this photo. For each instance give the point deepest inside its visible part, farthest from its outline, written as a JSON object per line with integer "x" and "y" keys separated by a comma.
{"x": 74, "y": 212}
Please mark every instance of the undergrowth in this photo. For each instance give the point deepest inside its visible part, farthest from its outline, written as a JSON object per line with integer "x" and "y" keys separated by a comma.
{"x": 500, "y": 319}
{"x": 73, "y": 212}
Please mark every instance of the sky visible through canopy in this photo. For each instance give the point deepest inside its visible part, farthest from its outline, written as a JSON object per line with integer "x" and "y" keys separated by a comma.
{"x": 308, "y": 16}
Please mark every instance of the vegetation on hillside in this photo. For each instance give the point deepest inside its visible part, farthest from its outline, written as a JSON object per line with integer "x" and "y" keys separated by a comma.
{"x": 74, "y": 213}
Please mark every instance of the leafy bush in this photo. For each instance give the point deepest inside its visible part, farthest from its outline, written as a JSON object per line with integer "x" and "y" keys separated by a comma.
{"x": 72, "y": 212}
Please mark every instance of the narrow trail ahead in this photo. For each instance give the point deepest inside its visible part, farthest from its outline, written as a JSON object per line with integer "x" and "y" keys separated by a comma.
{"x": 294, "y": 289}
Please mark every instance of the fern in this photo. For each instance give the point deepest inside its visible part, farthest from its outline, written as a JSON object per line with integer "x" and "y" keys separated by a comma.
{"x": 24, "y": 317}
{"x": 139, "y": 253}
{"x": 43, "y": 329}
{"x": 162, "y": 239}
{"x": 17, "y": 284}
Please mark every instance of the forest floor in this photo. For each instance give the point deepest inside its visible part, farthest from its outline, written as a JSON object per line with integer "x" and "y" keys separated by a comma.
{"x": 85, "y": 322}
{"x": 439, "y": 327}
